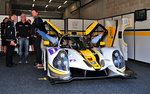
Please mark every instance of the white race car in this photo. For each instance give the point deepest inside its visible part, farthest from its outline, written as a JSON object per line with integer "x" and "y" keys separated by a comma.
{"x": 75, "y": 57}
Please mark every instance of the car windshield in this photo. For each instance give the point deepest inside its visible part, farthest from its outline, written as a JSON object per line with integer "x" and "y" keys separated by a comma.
{"x": 75, "y": 43}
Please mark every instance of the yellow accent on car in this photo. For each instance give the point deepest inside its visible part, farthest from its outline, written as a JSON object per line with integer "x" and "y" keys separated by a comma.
{"x": 54, "y": 27}
{"x": 88, "y": 54}
{"x": 56, "y": 72}
{"x": 90, "y": 28}
{"x": 102, "y": 43}
{"x": 111, "y": 35}
{"x": 123, "y": 70}
{"x": 46, "y": 43}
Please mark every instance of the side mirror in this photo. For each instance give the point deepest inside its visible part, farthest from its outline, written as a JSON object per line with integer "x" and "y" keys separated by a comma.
{"x": 46, "y": 43}
{"x": 102, "y": 44}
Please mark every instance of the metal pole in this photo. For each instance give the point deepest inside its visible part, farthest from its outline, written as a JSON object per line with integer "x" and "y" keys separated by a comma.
{"x": 134, "y": 39}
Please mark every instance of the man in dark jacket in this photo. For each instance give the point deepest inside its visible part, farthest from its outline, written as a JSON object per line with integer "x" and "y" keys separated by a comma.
{"x": 37, "y": 25}
{"x": 23, "y": 33}
{"x": 3, "y": 47}
{"x": 10, "y": 40}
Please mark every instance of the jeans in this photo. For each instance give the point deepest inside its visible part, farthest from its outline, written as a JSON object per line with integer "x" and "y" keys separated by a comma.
{"x": 23, "y": 43}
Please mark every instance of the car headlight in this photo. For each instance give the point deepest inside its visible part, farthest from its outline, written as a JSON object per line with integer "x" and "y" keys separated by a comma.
{"x": 61, "y": 61}
{"x": 118, "y": 59}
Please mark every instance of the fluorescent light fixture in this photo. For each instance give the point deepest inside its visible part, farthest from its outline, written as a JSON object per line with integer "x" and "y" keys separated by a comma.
{"x": 32, "y": 5}
{"x": 46, "y": 6}
{"x": 65, "y": 2}
{"x": 50, "y": 1}
{"x": 59, "y": 7}
{"x": 33, "y": 0}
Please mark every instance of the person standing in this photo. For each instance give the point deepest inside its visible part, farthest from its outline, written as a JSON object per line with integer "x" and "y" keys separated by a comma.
{"x": 31, "y": 38}
{"x": 10, "y": 37}
{"x": 37, "y": 25}
{"x": 3, "y": 47}
{"x": 23, "y": 34}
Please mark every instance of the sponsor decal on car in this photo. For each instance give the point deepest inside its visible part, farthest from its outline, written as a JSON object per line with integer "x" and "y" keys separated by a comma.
{"x": 52, "y": 50}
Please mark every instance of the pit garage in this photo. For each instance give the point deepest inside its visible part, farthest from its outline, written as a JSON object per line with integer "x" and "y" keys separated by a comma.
{"x": 91, "y": 46}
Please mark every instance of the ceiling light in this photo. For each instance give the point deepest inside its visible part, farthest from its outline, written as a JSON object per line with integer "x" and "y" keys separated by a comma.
{"x": 33, "y": 0}
{"x": 50, "y": 1}
{"x": 65, "y": 2}
{"x": 46, "y": 6}
{"x": 59, "y": 7}
{"x": 32, "y": 5}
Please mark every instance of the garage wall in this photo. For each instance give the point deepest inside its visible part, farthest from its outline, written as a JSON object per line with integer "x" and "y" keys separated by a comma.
{"x": 2, "y": 7}
{"x": 93, "y": 10}
{"x": 142, "y": 43}
{"x": 105, "y": 8}
{"x": 68, "y": 11}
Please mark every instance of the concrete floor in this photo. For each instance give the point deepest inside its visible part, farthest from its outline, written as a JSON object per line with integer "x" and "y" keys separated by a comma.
{"x": 23, "y": 79}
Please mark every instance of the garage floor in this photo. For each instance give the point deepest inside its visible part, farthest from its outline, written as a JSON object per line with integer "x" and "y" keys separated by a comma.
{"x": 23, "y": 79}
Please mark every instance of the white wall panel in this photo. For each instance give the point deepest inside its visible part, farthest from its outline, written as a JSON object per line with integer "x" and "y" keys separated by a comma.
{"x": 58, "y": 23}
{"x": 75, "y": 24}
{"x": 117, "y": 18}
{"x": 101, "y": 22}
{"x": 142, "y": 48}
{"x": 130, "y": 42}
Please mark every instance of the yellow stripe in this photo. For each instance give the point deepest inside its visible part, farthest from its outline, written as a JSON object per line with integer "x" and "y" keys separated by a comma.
{"x": 90, "y": 28}
{"x": 55, "y": 71}
{"x": 77, "y": 33}
{"x": 124, "y": 43}
{"x": 94, "y": 33}
{"x": 124, "y": 29}
{"x": 88, "y": 54}
{"x": 99, "y": 33}
{"x": 57, "y": 30}
{"x": 128, "y": 25}
{"x": 80, "y": 33}
{"x": 136, "y": 33}
{"x": 52, "y": 32}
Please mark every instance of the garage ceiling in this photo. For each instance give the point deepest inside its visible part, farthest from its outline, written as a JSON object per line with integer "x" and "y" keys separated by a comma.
{"x": 46, "y": 8}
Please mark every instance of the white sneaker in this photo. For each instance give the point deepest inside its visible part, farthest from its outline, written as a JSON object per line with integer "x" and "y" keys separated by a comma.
{"x": 20, "y": 62}
{"x": 26, "y": 62}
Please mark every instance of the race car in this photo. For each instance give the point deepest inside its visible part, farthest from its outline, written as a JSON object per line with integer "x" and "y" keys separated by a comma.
{"x": 75, "y": 57}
